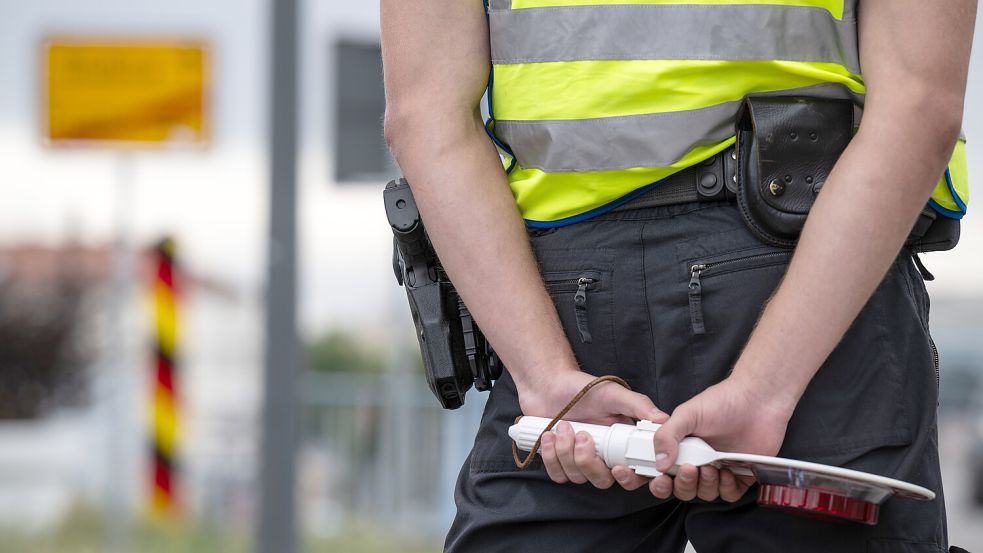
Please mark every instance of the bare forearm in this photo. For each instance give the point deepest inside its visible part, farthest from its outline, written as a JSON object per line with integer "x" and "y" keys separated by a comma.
{"x": 854, "y": 232}
{"x": 436, "y": 60}
{"x": 858, "y": 225}
{"x": 475, "y": 226}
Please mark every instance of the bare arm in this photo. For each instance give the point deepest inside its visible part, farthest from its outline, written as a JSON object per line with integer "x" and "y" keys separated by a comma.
{"x": 915, "y": 59}
{"x": 436, "y": 64}
{"x": 436, "y": 58}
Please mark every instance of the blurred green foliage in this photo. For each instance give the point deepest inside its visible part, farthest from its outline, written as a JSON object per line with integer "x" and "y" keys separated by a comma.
{"x": 84, "y": 531}
{"x": 339, "y": 351}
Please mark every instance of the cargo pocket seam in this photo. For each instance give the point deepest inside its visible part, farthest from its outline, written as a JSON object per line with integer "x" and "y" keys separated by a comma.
{"x": 893, "y": 437}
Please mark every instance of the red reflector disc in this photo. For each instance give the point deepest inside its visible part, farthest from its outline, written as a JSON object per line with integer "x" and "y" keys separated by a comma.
{"x": 819, "y": 502}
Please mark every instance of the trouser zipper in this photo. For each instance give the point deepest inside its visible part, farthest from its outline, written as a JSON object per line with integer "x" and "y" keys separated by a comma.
{"x": 696, "y": 284}
{"x": 580, "y": 308}
{"x": 696, "y": 299}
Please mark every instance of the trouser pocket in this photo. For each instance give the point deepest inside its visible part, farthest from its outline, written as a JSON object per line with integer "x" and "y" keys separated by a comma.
{"x": 717, "y": 267}
{"x": 858, "y": 400}
{"x": 580, "y": 284}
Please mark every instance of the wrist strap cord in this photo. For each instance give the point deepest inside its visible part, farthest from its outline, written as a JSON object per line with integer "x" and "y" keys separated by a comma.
{"x": 522, "y": 464}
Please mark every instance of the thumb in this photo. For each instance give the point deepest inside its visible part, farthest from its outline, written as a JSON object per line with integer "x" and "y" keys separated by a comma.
{"x": 637, "y": 406}
{"x": 682, "y": 423}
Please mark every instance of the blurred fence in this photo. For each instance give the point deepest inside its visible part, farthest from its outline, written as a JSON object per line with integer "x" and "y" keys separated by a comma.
{"x": 379, "y": 449}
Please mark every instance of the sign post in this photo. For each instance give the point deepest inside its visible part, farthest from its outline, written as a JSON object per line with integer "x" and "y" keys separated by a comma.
{"x": 120, "y": 94}
{"x": 276, "y": 529}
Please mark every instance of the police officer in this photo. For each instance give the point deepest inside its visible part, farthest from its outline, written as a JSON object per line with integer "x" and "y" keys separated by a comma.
{"x": 576, "y": 260}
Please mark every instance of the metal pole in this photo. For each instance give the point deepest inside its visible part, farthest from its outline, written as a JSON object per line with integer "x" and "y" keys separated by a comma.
{"x": 118, "y": 379}
{"x": 276, "y": 528}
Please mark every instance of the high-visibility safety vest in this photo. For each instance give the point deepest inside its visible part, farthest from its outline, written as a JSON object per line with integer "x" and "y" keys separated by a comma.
{"x": 594, "y": 101}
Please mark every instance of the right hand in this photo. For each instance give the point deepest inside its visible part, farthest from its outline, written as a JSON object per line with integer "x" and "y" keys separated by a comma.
{"x": 572, "y": 458}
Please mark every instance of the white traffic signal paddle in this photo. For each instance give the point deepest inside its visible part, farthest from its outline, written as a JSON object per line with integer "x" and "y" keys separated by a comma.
{"x": 785, "y": 483}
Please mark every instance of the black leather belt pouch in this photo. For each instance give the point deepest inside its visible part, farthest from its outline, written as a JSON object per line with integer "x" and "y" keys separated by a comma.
{"x": 786, "y": 148}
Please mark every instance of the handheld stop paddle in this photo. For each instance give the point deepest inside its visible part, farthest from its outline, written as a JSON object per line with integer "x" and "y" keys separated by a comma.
{"x": 812, "y": 488}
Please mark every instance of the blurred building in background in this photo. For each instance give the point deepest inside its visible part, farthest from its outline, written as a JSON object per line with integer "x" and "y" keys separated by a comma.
{"x": 377, "y": 453}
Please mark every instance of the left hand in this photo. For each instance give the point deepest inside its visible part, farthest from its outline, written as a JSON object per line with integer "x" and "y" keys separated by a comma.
{"x": 734, "y": 415}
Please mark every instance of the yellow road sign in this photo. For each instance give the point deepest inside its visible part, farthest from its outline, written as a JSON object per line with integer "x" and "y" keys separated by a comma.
{"x": 118, "y": 93}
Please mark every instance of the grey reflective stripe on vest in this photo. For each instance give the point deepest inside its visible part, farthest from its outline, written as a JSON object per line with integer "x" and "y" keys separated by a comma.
{"x": 494, "y": 5}
{"x": 676, "y": 32}
{"x": 849, "y": 10}
{"x": 615, "y": 143}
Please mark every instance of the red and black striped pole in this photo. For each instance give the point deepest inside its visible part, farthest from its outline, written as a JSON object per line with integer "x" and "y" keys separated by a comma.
{"x": 165, "y": 428}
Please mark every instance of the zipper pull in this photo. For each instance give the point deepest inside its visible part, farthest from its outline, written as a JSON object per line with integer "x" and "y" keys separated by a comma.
{"x": 696, "y": 299}
{"x": 580, "y": 308}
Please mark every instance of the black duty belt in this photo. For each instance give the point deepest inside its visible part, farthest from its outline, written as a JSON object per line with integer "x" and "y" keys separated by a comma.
{"x": 715, "y": 179}
{"x": 712, "y": 180}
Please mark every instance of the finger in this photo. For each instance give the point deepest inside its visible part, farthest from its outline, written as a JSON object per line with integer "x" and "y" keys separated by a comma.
{"x": 709, "y": 488}
{"x": 627, "y": 478}
{"x": 547, "y": 451}
{"x": 635, "y": 405}
{"x": 729, "y": 489}
{"x": 564, "y": 452}
{"x": 661, "y": 486}
{"x": 682, "y": 423}
{"x": 744, "y": 483}
{"x": 658, "y": 416}
{"x": 590, "y": 464}
{"x": 686, "y": 482}
{"x": 740, "y": 486}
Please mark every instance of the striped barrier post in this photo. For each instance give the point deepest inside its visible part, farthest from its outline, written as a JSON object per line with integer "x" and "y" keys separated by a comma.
{"x": 165, "y": 417}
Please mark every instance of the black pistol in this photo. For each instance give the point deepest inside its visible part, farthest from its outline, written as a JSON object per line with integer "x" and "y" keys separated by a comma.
{"x": 455, "y": 353}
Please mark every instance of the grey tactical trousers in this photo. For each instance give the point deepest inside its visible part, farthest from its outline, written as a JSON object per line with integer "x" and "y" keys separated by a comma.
{"x": 872, "y": 406}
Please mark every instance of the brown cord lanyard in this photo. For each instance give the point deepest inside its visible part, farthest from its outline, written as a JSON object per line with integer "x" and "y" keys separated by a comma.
{"x": 523, "y": 464}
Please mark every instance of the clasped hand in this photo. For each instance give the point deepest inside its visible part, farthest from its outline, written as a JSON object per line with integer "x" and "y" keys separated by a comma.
{"x": 727, "y": 415}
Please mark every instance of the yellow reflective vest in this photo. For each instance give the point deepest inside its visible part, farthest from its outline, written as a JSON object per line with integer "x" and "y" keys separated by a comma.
{"x": 594, "y": 101}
